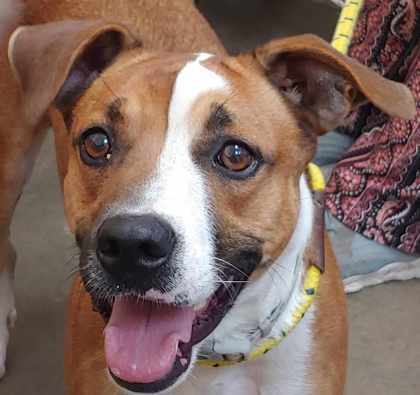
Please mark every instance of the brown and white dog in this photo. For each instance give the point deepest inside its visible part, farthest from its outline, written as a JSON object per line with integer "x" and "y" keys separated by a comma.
{"x": 183, "y": 176}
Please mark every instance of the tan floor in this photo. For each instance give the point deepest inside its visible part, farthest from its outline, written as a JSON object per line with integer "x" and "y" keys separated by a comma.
{"x": 384, "y": 321}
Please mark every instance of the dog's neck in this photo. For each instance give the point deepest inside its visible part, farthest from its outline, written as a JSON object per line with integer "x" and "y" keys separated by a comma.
{"x": 264, "y": 308}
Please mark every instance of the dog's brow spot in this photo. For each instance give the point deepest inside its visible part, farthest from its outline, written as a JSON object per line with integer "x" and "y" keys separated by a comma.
{"x": 113, "y": 113}
{"x": 219, "y": 118}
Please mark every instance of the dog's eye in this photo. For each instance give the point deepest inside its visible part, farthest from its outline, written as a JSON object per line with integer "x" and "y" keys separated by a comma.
{"x": 237, "y": 159}
{"x": 95, "y": 146}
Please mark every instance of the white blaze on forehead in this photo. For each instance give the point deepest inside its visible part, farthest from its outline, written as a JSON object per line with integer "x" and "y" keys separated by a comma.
{"x": 193, "y": 81}
{"x": 177, "y": 190}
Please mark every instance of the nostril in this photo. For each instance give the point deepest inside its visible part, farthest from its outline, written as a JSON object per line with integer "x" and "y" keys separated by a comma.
{"x": 109, "y": 247}
{"x": 152, "y": 250}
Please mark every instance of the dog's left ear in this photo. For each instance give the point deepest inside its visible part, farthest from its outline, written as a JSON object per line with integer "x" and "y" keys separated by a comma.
{"x": 56, "y": 62}
{"x": 324, "y": 85}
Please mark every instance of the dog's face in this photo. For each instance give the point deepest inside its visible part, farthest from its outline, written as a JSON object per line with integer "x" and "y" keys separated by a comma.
{"x": 173, "y": 143}
{"x": 181, "y": 178}
{"x": 176, "y": 197}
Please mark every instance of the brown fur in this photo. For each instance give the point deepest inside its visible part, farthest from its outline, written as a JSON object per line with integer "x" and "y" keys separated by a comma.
{"x": 84, "y": 359}
{"x": 329, "y": 355}
{"x": 263, "y": 209}
{"x": 160, "y": 24}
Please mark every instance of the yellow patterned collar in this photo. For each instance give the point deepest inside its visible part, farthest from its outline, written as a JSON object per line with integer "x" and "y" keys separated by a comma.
{"x": 306, "y": 298}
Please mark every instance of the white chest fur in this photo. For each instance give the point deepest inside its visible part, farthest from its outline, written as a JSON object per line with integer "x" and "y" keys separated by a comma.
{"x": 281, "y": 371}
{"x": 284, "y": 369}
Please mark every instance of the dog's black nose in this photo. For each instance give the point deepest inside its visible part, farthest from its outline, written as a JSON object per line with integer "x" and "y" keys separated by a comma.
{"x": 134, "y": 244}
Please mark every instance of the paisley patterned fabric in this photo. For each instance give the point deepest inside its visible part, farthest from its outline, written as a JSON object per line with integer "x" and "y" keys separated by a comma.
{"x": 375, "y": 188}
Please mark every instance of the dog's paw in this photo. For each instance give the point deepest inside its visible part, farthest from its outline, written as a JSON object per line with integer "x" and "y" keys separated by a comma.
{"x": 8, "y": 316}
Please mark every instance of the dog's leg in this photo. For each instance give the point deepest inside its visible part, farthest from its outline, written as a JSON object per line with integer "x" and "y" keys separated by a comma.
{"x": 18, "y": 148}
{"x": 19, "y": 144}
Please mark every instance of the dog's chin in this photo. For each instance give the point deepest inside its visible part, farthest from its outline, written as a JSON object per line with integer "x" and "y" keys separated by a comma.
{"x": 167, "y": 336}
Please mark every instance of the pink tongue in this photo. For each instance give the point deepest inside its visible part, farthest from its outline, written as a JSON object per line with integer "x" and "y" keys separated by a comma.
{"x": 141, "y": 339}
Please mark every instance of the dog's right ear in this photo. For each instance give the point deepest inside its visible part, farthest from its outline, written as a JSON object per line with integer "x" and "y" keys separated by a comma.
{"x": 324, "y": 86}
{"x": 56, "y": 62}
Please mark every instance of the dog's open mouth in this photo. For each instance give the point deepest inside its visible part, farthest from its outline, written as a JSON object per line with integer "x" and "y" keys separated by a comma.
{"x": 148, "y": 346}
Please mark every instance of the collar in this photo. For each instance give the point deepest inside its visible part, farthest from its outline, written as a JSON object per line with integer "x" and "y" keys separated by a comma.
{"x": 307, "y": 294}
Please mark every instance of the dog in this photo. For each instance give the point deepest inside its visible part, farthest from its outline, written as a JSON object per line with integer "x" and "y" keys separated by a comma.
{"x": 186, "y": 181}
